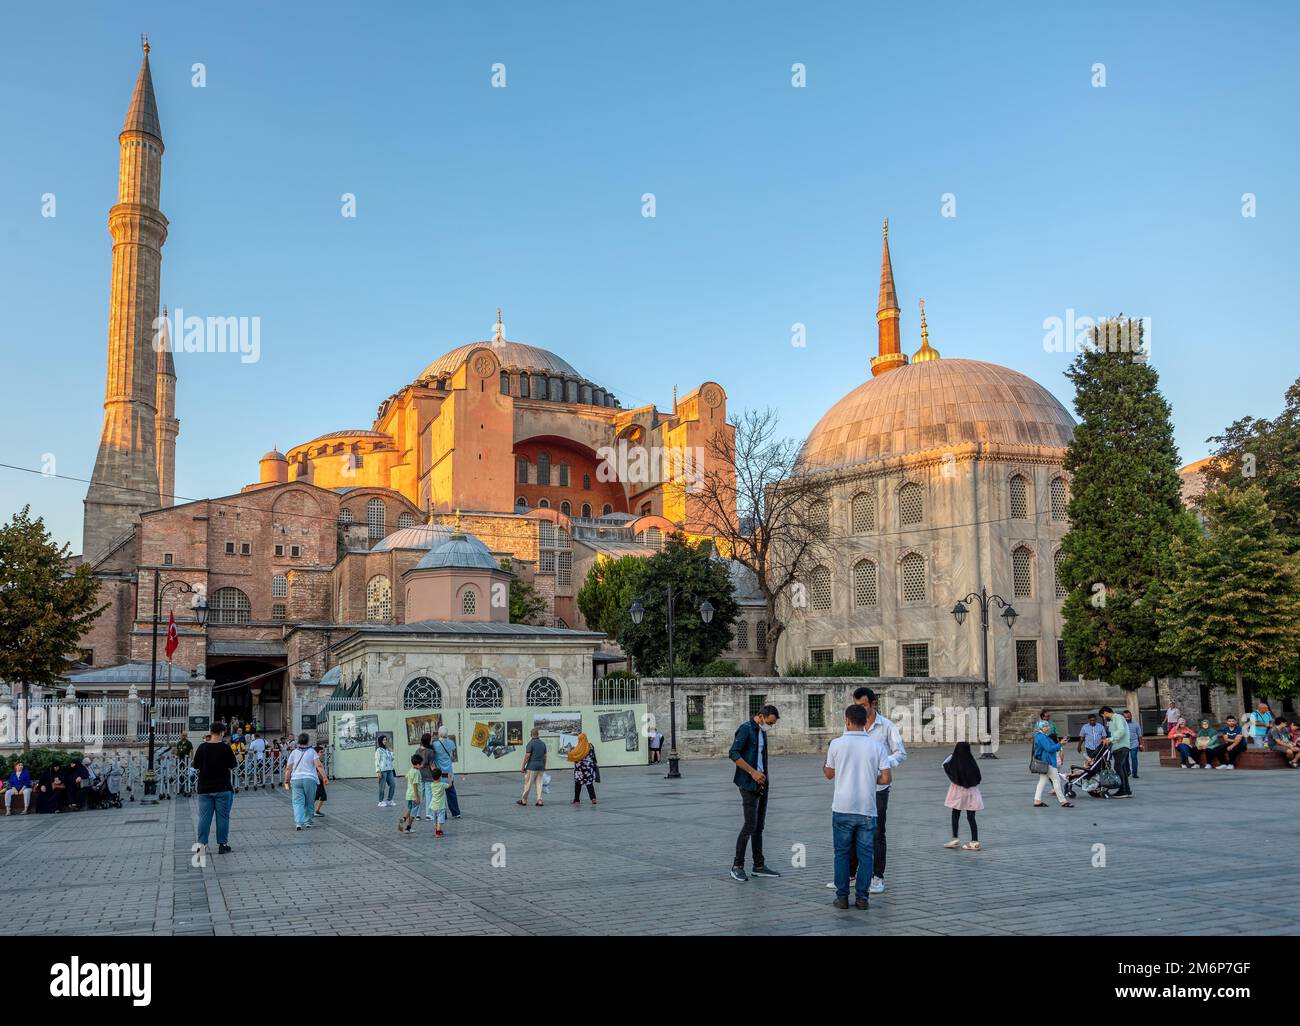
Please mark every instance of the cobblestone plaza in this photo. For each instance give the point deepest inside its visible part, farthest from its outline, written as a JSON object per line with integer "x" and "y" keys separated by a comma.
{"x": 652, "y": 858}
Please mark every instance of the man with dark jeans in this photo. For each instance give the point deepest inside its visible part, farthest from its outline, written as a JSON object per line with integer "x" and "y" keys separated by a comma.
{"x": 214, "y": 761}
{"x": 1117, "y": 741}
{"x": 749, "y": 751}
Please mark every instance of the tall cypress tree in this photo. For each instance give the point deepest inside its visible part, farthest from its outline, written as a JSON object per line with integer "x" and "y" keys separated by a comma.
{"x": 1233, "y": 608}
{"x": 1125, "y": 511}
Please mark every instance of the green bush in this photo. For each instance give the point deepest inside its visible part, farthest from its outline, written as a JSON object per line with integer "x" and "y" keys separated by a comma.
{"x": 38, "y": 760}
{"x": 720, "y": 668}
{"x": 839, "y": 668}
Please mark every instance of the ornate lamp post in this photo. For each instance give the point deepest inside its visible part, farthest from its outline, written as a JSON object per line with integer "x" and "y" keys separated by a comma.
{"x": 200, "y": 607}
{"x": 706, "y": 614}
{"x": 1009, "y": 615}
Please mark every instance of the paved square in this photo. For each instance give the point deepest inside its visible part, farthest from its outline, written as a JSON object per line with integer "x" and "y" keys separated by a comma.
{"x": 652, "y": 857}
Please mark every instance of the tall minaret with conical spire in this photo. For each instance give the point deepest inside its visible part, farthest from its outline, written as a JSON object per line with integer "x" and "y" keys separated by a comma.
{"x": 166, "y": 426}
{"x": 125, "y": 479}
{"x": 887, "y": 317}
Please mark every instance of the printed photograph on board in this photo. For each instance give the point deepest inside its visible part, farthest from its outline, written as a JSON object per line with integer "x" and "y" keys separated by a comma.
{"x": 551, "y": 724}
{"x": 567, "y": 743}
{"x": 418, "y": 726}
{"x": 514, "y": 732}
{"x": 358, "y": 731}
{"x": 614, "y": 726}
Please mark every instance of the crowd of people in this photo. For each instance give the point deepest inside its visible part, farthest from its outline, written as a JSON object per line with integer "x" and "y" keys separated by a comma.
{"x": 65, "y": 785}
{"x": 1219, "y": 747}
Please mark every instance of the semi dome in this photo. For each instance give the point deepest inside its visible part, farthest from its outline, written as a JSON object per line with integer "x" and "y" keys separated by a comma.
{"x": 934, "y": 404}
{"x": 421, "y": 536}
{"x": 460, "y": 551}
{"x": 513, "y": 356}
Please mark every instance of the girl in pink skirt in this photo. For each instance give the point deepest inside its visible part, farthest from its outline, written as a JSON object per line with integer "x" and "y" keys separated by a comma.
{"x": 963, "y": 794}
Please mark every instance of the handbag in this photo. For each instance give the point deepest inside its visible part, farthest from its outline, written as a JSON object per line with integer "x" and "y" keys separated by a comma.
{"x": 1036, "y": 765}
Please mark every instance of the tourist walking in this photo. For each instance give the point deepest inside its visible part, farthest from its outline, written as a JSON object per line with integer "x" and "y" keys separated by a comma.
{"x": 1172, "y": 715}
{"x": 585, "y": 770}
{"x": 1117, "y": 740}
{"x": 428, "y": 763}
{"x": 303, "y": 773}
{"x": 534, "y": 768}
{"x": 444, "y": 752}
{"x": 321, "y": 796}
{"x": 749, "y": 751}
{"x": 257, "y": 757}
{"x": 19, "y": 782}
{"x": 964, "y": 776}
{"x": 1134, "y": 741}
{"x": 213, "y": 760}
{"x": 184, "y": 750}
{"x": 1043, "y": 763}
{"x": 384, "y": 771}
{"x": 414, "y": 780}
{"x": 437, "y": 804}
{"x": 855, "y": 762}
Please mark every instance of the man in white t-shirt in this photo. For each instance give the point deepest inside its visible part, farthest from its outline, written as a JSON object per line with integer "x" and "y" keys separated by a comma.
{"x": 857, "y": 763}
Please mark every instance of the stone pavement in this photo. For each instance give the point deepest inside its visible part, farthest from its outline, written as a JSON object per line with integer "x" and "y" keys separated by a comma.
{"x": 652, "y": 857}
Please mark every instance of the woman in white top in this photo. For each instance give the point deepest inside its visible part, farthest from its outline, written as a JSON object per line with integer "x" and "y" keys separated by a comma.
{"x": 384, "y": 771}
{"x": 302, "y": 772}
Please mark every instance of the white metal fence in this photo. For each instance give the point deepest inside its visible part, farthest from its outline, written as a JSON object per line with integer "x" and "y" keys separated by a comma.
{"x": 94, "y": 721}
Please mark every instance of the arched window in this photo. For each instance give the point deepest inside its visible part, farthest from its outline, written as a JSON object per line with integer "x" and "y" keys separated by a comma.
{"x": 279, "y": 586}
{"x": 543, "y": 468}
{"x": 543, "y": 691}
{"x": 654, "y": 538}
{"x": 376, "y": 519}
{"x": 505, "y": 383}
{"x": 229, "y": 606}
{"x": 606, "y": 510}
{"x": 566, "y": 508}
{"x": 911, "y": 504}
{"x": 422, "y": 693}
{"x": 564, "y": 475}
{"x": 819, "y": 518}
{"x": 523, "y": 386}
{"x": 586, "y": 482}
{"x": 521, "y": 502}
{"x": 760, "y": 637}
{"x": 1057, "y": 558}
{"x": 864, "y": 583}
{"x": 483, "y": 693}
{"x": 742, "y": 635}
{"x": 543, "y": 503}
{"x": 406, "y": 520}
{"x": 1022, "y": 572}
{"x": 521, "y": 470}
{"x": 468, "y": 601}
{"x": 379, "y": 599}
{"x": 1060, "y": 500}
{"x": 864, "y": 512}
{"x": 820, "y": 590}
{"x": 1019, "y": 491}
{"x": 912, "y": 572}
{"x": 586, "y": 509}
{"x": 345, "y": 516}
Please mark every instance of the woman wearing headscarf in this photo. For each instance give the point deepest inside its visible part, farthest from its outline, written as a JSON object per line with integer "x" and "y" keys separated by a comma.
{"x": 1181, "y": 737}
{"x": 384, "y": 772}
{"x": 963, "y": 794}
{"x": 51, "y": 792}
{"x": 585, "y": 770}
{"x": 1207, "y": 741}
{"x": 1044, "y": 765}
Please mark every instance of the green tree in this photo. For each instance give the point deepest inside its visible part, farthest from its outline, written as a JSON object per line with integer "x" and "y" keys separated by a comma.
{"x": 526, "y": 604}
{"x": 1125, "y": 511}
{"x": 1265, "y": 453}
{"x": 695, "y": 576}
{"x": 45, "y": 606}
{"x": 607, "y": 593}
{"x": 1233, "y": 607}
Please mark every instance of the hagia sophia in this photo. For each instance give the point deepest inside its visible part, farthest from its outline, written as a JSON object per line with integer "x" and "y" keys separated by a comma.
{"x": 941, "y": 475}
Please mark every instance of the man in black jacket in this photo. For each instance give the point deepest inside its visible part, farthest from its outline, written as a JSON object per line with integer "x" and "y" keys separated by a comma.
{"x": 749, "y": 751}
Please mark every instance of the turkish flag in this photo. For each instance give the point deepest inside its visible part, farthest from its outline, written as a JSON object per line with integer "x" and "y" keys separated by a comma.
{"x": 173, "y": 640}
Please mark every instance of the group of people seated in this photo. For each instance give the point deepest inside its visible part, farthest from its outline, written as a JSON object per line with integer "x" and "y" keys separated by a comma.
{"x": 1211, "y": 747}
{"x": 64, "y": 785}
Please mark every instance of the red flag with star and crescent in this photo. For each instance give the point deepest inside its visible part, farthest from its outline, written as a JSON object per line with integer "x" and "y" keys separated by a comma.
{"x": 173, "y": 640}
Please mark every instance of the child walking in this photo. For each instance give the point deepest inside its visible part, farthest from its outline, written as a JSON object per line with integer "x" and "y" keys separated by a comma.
{"x": 412, "y": 812}
{"x": 438, "y": 802}
{"x": 963, "y": 794}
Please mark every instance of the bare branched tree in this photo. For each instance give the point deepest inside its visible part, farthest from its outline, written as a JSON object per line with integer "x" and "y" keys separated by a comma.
{"x": 758, "y": 498}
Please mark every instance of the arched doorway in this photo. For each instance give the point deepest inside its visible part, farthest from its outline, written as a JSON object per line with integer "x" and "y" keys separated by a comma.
{"x": 240, "y": 692}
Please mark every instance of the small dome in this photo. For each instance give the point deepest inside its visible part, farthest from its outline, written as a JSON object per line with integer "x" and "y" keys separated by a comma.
{"x": 274, "y": 454}
{"x": 421, "y": 536}
{"x": 460, "y": 551}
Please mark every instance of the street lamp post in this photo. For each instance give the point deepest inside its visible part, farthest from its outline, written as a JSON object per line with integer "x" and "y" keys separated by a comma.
{"x": 200, "y": 607}
{"x": 706, "y": 614}
{"x": 1009, "y": 615}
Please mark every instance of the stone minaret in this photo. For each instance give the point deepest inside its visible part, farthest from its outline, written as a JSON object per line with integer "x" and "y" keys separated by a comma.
{"x": 887, "y": 314}
{"x": 125, "y": 479}
{"x": 166, "y": 426}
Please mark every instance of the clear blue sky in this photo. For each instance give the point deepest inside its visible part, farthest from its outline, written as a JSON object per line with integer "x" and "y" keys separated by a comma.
{"x": 770, "y": 199}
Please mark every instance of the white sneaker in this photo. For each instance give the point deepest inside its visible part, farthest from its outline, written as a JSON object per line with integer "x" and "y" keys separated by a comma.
{"x": 383, "y": 805}
{"x": 954, "y": 843}
{"x": 877, "y": 886}
{"x": 1231, "y": 766}
{"x": 1207, "y": 766}
{"x": 831, "y": 885}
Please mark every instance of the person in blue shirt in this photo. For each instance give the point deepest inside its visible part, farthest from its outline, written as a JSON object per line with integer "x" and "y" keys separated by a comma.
{"x": 1261, "y": 720}
{"x": 1045, "y": 750}
{"x": 1091, "y": 735}
{"x": 444, "y": 751}
{"x": 1134, "y": 742}
{"x": 1234, "y": 743}
{"x": 19, "y": 782}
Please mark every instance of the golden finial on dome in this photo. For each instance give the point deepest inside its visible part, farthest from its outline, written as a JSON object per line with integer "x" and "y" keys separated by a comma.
{"x": 144, "y": 43}
{"x": 926, "y": 352}
{"x": 458, "y": 530}
{"x": 500, "y": 331}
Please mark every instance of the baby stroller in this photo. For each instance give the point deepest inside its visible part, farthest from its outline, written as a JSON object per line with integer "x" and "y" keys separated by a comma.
{"x": 1095, "y": 779}
{"x": 106, "y": 792}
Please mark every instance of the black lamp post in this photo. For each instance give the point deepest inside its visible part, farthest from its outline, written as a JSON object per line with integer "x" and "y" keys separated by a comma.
{"x": 706, "y": 614}
{"x": 1009, "y": 616}
{"x": 200, "y": 607}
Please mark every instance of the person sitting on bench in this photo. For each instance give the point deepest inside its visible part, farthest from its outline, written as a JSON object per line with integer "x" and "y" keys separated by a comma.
{"x": 1233, "y": 743}
{"x": 19, "y": 782}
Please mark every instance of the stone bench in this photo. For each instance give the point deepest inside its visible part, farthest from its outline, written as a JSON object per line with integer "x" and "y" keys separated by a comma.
{"x": 1252, "y": 758}
{"x": 16, "y": 803}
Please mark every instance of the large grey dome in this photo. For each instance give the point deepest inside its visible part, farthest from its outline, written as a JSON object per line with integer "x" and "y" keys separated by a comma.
{"x": 513, "y": 356}
{"x": 421, "y": 536}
